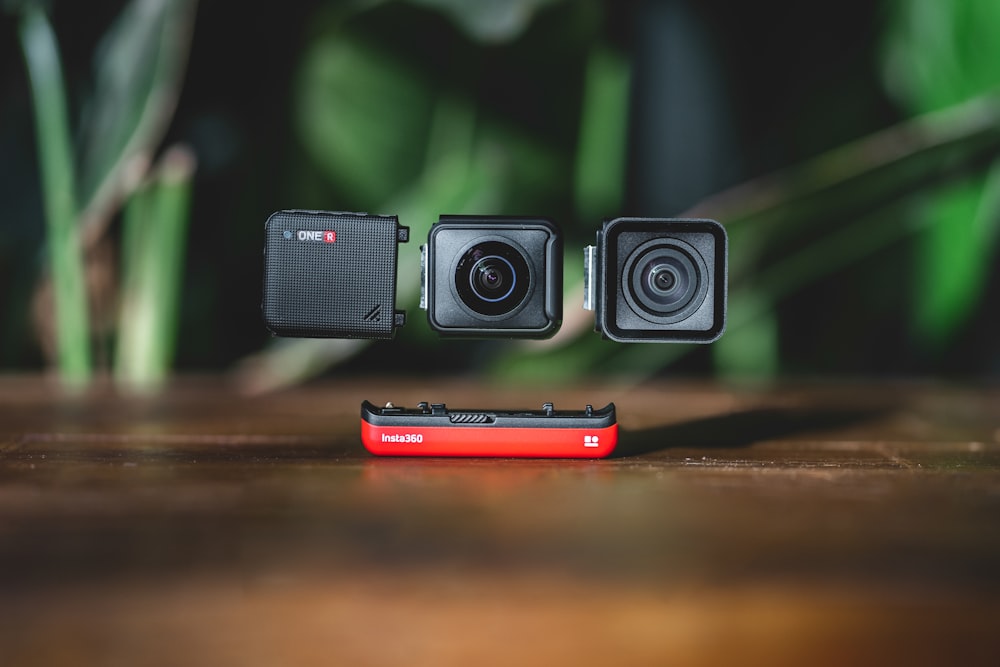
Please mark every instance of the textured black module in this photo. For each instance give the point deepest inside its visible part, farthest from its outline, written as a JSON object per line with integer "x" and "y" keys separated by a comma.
{"x": 331, "y": 275}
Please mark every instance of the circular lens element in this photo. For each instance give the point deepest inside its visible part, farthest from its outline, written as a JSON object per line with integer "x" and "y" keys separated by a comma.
{"x": 665, "y": 280}
{"x": 662, "y": 279}
{"x": 492, "y": 278}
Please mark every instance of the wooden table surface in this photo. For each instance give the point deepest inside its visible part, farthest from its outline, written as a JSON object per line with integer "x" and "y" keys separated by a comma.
{"x": 807, "y": 523}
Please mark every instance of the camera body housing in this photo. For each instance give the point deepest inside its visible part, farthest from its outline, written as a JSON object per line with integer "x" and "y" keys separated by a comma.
{"x": 658, "y": 280}
{"x": 331, "y": 275}
{"x": 493, "y": 276}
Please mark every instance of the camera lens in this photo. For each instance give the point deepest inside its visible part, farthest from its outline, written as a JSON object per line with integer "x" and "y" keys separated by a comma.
{"x": 492, "y": 278}
{"x": 662, "y": 279}
{"x": 665, "y": 280}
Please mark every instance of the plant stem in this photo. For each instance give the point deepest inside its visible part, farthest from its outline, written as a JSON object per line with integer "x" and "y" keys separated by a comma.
{"x": 41, "y": 55}
{"x": 155, "y": 228}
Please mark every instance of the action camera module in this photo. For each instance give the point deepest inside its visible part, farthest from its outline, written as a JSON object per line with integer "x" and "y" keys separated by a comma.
{"x": 331, "y": 275}
{"x": 658, "y": 280}
{"x": 492, "y": 276}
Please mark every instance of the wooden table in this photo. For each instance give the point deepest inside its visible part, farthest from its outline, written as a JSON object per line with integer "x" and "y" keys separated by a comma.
{"x": 818, "y": 524}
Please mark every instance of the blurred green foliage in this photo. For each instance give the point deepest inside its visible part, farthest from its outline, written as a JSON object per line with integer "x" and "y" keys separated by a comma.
{"x": 138, "y": 70}
{"x": 883, "y": 245}
{"x": 939, "y": 54}
{"x": 58, "y": 176}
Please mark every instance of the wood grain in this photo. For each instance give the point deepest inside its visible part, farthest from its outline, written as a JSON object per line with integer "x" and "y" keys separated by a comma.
{"x": 818, "y": 523}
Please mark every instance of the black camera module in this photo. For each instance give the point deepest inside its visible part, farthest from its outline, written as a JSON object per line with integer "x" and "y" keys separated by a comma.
{"x": 658, "y": 280}
{"x": 493, "y": 276}
{"x": 331, "y": 275}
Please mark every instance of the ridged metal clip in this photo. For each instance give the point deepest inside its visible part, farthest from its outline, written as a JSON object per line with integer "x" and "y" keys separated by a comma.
{"x": 589, "y": 276}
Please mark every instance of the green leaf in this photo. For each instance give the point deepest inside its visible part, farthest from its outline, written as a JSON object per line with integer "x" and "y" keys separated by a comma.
{"x": 361, "y": 115}
{"x": 138, "y": 70}
{"x": 154, "y": 232}
{"x": 57, "y": 174}
{"x": 956, "y": 253}
{"x": 600, "y": 161}
{"x": 488, "y": 20}
{"x": 939, "y": 54}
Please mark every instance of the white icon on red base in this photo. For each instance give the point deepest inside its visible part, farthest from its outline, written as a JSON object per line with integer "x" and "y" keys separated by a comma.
{"x": 591, "y": 441}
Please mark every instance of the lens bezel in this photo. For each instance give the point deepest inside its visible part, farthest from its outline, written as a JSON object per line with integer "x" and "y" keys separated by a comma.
{"x": 691, "y": 281}
{"x": 513, "y": 266}
{"x": 492, "y": 268}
